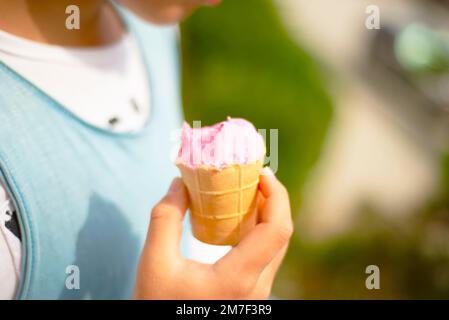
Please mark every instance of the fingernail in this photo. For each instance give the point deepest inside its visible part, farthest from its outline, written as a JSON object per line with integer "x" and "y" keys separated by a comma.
{"x": 175, "y": 185}
{"x": 266, "y": 171}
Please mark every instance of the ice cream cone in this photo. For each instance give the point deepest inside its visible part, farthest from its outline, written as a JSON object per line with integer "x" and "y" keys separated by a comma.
{"x": 222, "y": 201}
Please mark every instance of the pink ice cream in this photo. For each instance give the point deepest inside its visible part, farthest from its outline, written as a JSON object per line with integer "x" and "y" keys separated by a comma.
{"x": 228, "y": 142}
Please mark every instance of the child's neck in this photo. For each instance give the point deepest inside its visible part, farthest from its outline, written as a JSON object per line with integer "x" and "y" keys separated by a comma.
{"x": 45, "y": 21}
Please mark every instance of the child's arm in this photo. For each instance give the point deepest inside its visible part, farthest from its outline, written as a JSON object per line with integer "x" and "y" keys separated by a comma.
{"x": 246, "y": 272}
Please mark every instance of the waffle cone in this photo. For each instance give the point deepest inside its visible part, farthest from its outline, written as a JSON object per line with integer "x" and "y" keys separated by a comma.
{"x": 222, "y": 201}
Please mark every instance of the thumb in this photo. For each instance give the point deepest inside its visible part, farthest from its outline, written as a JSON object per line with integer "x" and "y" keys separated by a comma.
{"x": 165, "y": 229}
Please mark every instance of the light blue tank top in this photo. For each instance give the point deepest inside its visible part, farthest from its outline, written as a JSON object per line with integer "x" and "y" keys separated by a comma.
{"x": 83, "y": 194}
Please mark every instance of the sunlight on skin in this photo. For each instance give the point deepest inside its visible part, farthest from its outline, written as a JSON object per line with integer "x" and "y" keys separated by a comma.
{"x": 44, "y": 20}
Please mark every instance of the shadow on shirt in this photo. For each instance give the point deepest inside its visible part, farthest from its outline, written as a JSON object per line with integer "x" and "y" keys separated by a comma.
{"x": 106, "y": 254}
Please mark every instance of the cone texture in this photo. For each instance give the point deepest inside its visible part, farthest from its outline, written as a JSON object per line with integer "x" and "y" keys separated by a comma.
{"x": 222, "y": 201}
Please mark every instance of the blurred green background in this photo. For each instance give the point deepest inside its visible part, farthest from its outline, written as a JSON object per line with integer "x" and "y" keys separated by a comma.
{"x": 240, "y": 61}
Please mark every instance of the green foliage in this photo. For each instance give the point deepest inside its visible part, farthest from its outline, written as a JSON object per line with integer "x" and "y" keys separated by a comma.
{"x": 239, "y": 61}
{"x": 412, "y": 253}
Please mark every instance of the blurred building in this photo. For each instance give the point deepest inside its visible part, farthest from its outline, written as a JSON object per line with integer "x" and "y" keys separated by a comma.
{"x": 387, "y": 136}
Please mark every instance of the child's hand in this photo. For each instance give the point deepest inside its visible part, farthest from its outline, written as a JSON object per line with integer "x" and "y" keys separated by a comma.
{"x": 246, "y": 272}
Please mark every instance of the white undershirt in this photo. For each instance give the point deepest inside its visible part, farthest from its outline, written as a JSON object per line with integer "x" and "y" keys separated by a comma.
{"x": 106, "y": 87}
{"x": 97, "y": 84}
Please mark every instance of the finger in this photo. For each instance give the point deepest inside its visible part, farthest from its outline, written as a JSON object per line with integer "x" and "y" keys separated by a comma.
{"x": 266, "y": 279}
{"x": 165, "y": 228}
{"x": 268, "y": 238}
{"x": 276, "y": 205}
{"x": 260, "y": 205}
